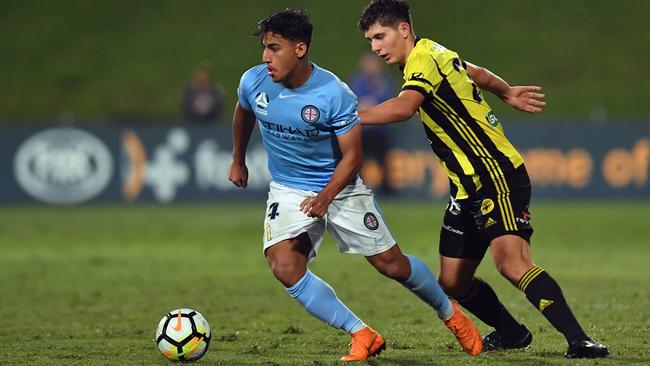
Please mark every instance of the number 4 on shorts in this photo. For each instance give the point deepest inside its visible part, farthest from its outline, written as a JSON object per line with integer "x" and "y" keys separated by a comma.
{"x": 274, "y": 210}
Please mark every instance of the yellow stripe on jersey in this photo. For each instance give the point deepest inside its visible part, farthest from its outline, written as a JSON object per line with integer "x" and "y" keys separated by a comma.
{"x": 495, "y": 173}
{"x": 511, "y": 213}
{"x": 490, "y": 164}
{"x": 440, "y": 75}
{"x": 463, "y": 160}
{"x": 455, "y": 179}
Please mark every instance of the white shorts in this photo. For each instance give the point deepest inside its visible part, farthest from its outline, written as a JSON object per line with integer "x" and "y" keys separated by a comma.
{"x": 353, "y": 219}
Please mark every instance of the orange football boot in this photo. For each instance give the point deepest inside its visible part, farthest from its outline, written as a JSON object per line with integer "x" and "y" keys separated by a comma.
{"x": 465, "y": 331}
{"x": 365, "y": 344}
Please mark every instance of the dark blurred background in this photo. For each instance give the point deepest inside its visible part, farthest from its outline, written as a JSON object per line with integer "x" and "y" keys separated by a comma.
{"x": 154, "y": 82}
{"x": 107, "y": 61}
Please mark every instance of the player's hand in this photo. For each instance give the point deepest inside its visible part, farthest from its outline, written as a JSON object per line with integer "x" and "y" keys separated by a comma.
{"x": 315, "y": 206}
{"x": 238, "y": 174}
{"x": 525, "y": 98}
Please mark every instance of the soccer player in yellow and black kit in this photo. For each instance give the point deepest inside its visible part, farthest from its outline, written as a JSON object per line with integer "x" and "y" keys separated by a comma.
{"x": 490, "y": 189}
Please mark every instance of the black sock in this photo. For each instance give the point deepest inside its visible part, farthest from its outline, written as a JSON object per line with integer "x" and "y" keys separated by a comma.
{"x": 545, "y": 294}
{"x": 485, "y": 305}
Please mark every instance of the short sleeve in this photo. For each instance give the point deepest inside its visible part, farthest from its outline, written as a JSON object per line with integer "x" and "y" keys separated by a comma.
{"x": 421, "y": 74}
{"x": 242, "y": 91}
{"x": 343, "y": 112}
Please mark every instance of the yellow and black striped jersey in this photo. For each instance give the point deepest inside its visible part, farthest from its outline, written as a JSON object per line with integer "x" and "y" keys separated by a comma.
{"x": 463, "y": 131}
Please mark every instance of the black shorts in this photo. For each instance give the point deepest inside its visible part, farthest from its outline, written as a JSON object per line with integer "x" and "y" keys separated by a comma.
{"x": 471, "y": 224}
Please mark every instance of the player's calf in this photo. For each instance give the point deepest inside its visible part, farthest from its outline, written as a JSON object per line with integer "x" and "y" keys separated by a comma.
{"x": 482, "y": 301}
{"x": 546, "y": 295}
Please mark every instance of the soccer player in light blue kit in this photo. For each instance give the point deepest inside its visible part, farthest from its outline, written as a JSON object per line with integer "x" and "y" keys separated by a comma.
{"x": 310, "y": 130}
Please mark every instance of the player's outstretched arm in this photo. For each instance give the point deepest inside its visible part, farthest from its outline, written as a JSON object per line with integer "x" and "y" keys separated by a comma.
{"x": 398, "y": 109}
{"x": 523, "y": 98}
{"x": 347, "y": 168}
{"x": 243, "y": 122}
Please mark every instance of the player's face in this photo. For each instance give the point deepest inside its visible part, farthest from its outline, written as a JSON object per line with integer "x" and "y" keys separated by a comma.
{"x": 281, "y": 55}
{"x": 390, "y": 43}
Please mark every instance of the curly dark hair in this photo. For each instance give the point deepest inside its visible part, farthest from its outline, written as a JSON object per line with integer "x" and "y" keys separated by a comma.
{"x": 386, "y": 12}
{"x": 292, "y": 24}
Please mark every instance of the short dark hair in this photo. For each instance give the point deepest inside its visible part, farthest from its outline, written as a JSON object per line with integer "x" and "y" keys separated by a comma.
{"x": 387, "y": 12}
{"x": 292, "y": 24}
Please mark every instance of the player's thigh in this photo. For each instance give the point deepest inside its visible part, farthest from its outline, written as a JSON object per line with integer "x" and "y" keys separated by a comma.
{"x": 357, "y": 224}
{"x": 504, "y": 214}
{"x": 284, "y": 220}
{"x": 504, "y": 221}
{"x": 295, "y": 250}
{"x": 459, "y": 237}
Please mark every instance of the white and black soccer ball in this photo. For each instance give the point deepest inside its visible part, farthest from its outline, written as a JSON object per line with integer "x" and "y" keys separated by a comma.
{"x": 183, "y": 335}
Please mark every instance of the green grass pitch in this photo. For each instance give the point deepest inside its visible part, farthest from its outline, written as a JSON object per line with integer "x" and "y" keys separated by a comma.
{"x": 88, "y": 285}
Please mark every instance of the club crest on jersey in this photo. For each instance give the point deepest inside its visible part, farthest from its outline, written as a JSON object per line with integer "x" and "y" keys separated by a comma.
{"x": 310, "y": 114}
{"x": 487, "y": 206}
{"x": 370, "y": 220}
{"x": 261, "y": 102}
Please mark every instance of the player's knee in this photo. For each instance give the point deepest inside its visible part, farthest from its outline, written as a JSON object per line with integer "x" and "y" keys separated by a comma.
{"x": 392, "y": 264}
{"x": 393, "y": 270}
{"x": 287, "y": 272}
{"x": 452, "y": 287}
{"x": 512, "y": 270}
{"x": 445, "y": 284}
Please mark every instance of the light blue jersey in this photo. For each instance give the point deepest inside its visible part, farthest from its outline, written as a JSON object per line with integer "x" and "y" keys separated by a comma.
{"x": 300, "y": 126}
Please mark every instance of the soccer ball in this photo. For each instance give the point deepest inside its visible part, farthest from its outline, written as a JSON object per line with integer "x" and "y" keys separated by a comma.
{"x": 183, "y": 335}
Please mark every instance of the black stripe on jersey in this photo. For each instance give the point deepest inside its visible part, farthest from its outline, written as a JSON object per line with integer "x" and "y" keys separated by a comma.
{"x": 489, "y": 165}
{"x": 461, "y": 141}
{"x": 453, "y": 188}
{"x": 519, "y": 178}
{"x": 445, "y": 154}
{"x": 496, "y": 179}
{"x": 477, "y": 148}
{"x": 480, "y": 150}
{"x": 448, "y": 127}
{"x": 420, "y": 89}
{"x": 484, "y": 149}
{"x": 448, "y": 95}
